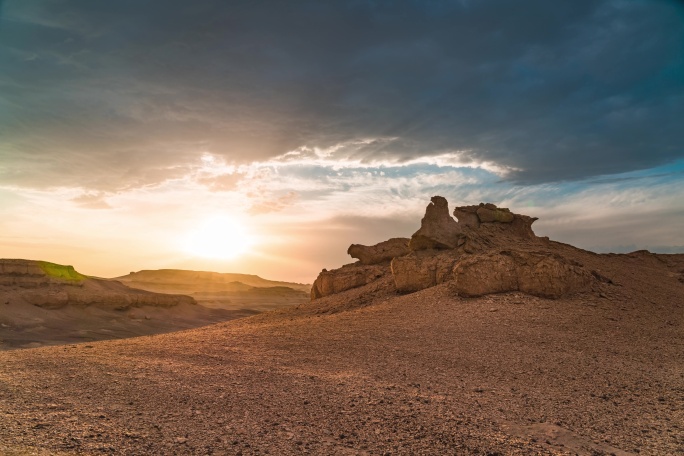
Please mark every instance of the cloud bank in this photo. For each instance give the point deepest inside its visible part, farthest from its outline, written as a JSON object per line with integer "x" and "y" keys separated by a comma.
{"x": 126, "y": 94}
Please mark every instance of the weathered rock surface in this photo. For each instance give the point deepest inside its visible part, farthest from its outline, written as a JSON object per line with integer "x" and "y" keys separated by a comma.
{"x": 379, "y": 253}
{"x": 486, "y": 217}
{"x": 53, "y": 286}
{"x": 437, "y": 229}
{"x": 345, "y": 278}
{"x": 494, "y": 214}
{"x": 489, "y": 250}
{"x": 543, "y": 274}
{"x": 423, "y": 269}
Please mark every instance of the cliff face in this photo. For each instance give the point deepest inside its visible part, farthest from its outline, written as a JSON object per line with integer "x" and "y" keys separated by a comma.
{"x": 488, "y": 250}
{"x": 54, "y": 286}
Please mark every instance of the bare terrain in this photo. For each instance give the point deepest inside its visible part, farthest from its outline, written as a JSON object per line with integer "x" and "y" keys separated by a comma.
{"x": 244, "y": 293}
{"x": 43, "y": 303}
{"x": 597, "y": 368}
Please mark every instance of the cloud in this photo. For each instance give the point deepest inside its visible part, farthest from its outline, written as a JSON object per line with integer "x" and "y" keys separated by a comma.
{"x": 125, "y": 95}
{"x": 275, "y": 205}
{"x": 92, "y": 201}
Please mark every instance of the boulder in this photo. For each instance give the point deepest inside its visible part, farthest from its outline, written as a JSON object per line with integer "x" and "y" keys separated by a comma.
{"x": 420, "y": 270}
{"x": 489, "y": 220}
{"x": 541, "y": 274}
{"x": 489, "y": 215}
{"x": 467, "y": 216}
{"x": 345, "y": 278}
{"x": 437, "y": 229}
{"x": 381, "y": 252}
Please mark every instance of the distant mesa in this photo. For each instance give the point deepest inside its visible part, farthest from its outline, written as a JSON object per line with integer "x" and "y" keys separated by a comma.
{"x": 185, "y": 281}
{"x": 54, "y": 286}
{"x": 487, "y": 250}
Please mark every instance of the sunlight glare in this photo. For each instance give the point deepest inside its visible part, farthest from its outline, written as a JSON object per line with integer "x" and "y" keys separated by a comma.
{"x": 220, "y": 238}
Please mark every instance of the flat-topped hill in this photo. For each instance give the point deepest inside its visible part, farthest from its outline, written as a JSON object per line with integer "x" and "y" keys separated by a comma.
{"x": 51, "y": 285}
{"x": 184, "y": 281}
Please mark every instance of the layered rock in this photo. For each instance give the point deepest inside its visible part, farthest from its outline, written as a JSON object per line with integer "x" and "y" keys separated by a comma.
{"x": 345, "y": 278}
{"x": 30, "y": 273}
{"x": 486, "y": 216}
{"x": 54, "y": 286}
{"x": 379, "y": 253}
{"x": 543, "y": 274}
{"x": 489, "y": 250}
{"x": 424, "y": 269}
{"x": 437, "y": 229}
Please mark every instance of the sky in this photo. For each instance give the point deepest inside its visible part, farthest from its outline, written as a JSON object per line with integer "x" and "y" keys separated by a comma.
{"x": 135, "y": 133}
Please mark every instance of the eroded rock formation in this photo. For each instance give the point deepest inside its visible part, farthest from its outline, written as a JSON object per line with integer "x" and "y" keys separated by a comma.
{"x": 537, "y": 273}
{"x": 487, "y": 216}
{"x": 345, "y": 278}
{"x": 488, "y": 250}
{"x": 379, "y": 253}
{"x": 424, "y": 269}
{"x": 437, "y": 229}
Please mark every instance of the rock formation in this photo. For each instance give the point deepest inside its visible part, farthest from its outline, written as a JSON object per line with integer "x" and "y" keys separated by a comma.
{"x": 54, "y": 286}
{"x": 487, "y": 216}
{"x": 423, "y": 269}
{"x": 537, "y": 273}
{"x": 437, "y": 229}
{"x": 379, "y": 253}
{"x": 349, "y": 276}
{"x": 488, "y": 250}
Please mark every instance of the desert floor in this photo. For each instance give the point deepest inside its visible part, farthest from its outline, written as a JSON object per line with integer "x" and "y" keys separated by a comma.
{"x": 371, "y": 372}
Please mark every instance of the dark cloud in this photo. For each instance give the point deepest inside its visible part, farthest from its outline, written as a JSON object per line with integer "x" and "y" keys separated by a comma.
{"x": 112, "y": 95}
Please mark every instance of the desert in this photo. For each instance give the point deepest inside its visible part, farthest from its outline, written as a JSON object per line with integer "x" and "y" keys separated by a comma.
{"x": 583, "y": 356}
{"x": 50, "y": 304}
{"x": 341, "y": 228}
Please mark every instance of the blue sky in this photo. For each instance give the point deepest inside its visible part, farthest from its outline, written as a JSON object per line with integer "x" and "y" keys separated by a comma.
{"x": 318, "y": 124}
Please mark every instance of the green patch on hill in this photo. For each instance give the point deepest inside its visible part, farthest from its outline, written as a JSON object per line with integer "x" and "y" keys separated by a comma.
{"x": 60, "y": 271}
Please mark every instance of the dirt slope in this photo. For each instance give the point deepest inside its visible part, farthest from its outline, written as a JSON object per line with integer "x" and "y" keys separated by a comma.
{"x": 44, "y": 303}
{"x": 368, "y": 371}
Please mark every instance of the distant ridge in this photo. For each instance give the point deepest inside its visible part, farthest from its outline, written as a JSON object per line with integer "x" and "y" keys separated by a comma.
{"x": 188, "y": 281}
{"x": 51, "y": 285}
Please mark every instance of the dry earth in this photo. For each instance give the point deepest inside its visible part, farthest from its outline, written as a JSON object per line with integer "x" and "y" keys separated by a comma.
{"x": 44, "y": 303}
{"x": 370, "y": 372}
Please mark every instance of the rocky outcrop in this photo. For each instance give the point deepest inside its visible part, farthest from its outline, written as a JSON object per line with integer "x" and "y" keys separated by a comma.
{"x": 379, "y": 253}
{"x": 437, "y": 229}
{"x": 345, "y": 278}
{"x": 30, "y": 273}
{"x": 53, "y": 286}
{"x": 486, "y": 216}
{"x": 489, "y": 250}
{"x": 543, "y": 274}
{"x": 423, "y": 269}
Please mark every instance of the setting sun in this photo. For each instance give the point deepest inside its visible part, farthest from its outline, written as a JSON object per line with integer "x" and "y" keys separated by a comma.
{"x": 220, "y": 237}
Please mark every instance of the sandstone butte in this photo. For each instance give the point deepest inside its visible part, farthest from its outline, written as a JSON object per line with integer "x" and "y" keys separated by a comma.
{"x": 489, "y": 250}
{"x": 473, "y": 337}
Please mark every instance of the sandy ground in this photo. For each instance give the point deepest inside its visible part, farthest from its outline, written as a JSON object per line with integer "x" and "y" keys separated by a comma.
{"x": 368, "y": 372}
{"x": 23, "y": 325}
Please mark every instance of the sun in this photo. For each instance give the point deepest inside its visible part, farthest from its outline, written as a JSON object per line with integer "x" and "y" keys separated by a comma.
{"x": 220, "y": 237}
